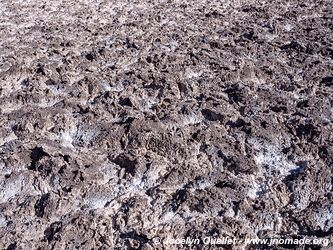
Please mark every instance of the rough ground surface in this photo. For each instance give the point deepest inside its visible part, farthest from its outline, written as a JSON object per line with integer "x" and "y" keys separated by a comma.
{"x": 123, "y": 122}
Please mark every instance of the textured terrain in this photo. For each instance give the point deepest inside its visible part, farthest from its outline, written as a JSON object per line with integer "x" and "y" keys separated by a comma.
{"x": 123, "y": 123}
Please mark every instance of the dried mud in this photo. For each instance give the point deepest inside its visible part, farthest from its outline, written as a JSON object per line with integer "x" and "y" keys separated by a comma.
{"x": 124, "y": 123}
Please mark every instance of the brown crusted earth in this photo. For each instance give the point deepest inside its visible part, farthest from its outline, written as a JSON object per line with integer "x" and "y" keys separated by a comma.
{"x": 124, "y": 123}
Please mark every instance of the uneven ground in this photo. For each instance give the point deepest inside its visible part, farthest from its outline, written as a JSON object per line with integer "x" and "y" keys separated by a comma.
{"x": 126, "y": 122}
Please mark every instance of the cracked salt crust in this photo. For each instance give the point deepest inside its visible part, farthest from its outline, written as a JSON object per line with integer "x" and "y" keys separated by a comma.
{"x": 324, "y": 218}
{"x": 3, "y": 221}
{"x": 288, "y": 27}
{"x": 67, "y": 139}
{"x": 8, "y": 138}
{"x": 202, "y": 185}
{"x": 11, "y": 188}
{"x": 117, "y": 88}
{"x": 97, "y": 202}
{"x": 192, "y": 119}
{"x": 44, "y": 103}
{"x": 272, "y": 159}
{"x": 256, "y": 188}
{"x": 86, "y": 135}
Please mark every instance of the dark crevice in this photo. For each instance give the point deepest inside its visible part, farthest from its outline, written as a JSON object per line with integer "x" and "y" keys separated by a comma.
{"x": 52, "y": 230}
{"x": 36, "y": 155}
{"x": 41, "y": 204}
